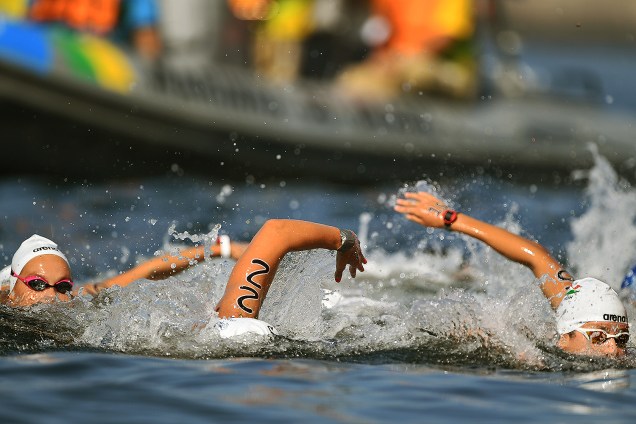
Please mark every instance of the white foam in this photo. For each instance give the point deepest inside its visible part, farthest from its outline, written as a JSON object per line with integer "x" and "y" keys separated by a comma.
{"x": 605, "y": 234}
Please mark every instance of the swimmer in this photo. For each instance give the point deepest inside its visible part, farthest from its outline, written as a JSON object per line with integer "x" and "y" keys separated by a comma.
{"x": 38, "y": 261}
{"x": 591, "y": 320}
{"x": 40, "y": 272}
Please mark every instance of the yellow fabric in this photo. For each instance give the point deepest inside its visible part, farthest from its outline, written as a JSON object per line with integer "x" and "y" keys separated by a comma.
{"x": 290, "y": 20}
{"x": 14, "y": 8}
{"x": 455, "y": 18}
{"x": 112, "y": 68}
{"x": 420, "y": 25}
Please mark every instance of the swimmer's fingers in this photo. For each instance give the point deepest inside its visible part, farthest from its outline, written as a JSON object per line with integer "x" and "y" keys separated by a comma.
{"x": 403, "y": 206}
{"x": 354, "y": 267}
{"x": 427, "y": 213}
{"x": 359, "y": 257}
{"x": 342, "y": 260}
{"x": 352, "y": 257}
{"x": 422, "y": 200}
{"x": 340, "y": 266}
{"x": 423, "y": 197}
{"x": 362, "y": 261}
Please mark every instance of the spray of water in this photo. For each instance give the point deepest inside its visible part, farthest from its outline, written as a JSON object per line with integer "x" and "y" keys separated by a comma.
{"x": 605, "y": 235}
{"x": 447, "y": 300}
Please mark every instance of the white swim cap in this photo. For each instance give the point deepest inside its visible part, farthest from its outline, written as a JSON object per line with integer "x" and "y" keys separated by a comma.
{"x": 588, "y": 300}
{"x": 31, "y": 248}
{"x": 230, "y": 327}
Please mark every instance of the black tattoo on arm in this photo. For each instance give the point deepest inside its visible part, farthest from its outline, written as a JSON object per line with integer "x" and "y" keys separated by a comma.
{"x": 432, "y": 209}
{"x": 564, "y": 275}
{"x": 253, "y": 293}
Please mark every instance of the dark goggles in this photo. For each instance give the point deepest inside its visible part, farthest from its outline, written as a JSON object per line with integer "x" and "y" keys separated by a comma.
{"x": 40, "y": 284}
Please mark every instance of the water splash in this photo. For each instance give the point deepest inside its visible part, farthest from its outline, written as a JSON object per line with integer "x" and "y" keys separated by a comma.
{"x": 605, "y": 235}
{"x": 434, "y": 298}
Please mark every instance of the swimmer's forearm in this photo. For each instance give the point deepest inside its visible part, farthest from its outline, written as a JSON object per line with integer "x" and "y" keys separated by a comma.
{"x": 512, "y": 246}
{"x": 163, "y": 267}
{"x": 288, "y": 235}
{"x": 159, "y": 268}
{"x": 429, "y": 211}
{"x": 521, "y": 250}
{"x": 255, "y": 270}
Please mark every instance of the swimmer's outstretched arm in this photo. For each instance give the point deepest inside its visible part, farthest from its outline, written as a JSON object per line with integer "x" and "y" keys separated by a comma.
{"x": 164, "y": 266}
{"x": 429, "y": 211}
{"x": 254, "y": 272}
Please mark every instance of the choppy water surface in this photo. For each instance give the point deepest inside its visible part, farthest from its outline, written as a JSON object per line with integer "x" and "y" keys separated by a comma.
{"x": 438, "y": 327}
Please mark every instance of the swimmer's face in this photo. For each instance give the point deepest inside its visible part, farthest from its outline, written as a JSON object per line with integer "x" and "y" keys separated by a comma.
{"x": 51, "y": 268}
{"x": 576, "y": 342}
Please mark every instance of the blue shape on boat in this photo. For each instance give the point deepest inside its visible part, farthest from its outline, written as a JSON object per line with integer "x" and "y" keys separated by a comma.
{"x": 25, "y": 44}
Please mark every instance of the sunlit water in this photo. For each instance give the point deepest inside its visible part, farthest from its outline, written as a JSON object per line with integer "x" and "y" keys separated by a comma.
{"x": 438, "y": 326}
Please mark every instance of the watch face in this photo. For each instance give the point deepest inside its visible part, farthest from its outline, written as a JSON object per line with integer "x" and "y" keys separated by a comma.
{"x": 450, "y": 216}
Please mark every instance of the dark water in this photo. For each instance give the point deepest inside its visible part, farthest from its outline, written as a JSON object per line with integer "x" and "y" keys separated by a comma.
{"x": 88, "y": 387}
{"x": 438, "y": 329}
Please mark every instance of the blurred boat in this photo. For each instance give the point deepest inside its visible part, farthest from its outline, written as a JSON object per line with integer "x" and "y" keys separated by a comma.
{"x": 229, "y": 123}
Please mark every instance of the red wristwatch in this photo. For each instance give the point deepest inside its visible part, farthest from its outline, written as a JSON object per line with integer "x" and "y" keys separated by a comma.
{"x": 450, "y": 216}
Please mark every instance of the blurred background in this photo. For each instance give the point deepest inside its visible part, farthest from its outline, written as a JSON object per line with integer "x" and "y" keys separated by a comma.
{"x": 344, "y": 90}
{"x": 132, "y": 127}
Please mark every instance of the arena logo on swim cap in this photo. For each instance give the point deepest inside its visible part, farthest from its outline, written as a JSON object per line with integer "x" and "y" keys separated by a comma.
{"x": 39, "y": 249}
{"x": 614, "y": 318}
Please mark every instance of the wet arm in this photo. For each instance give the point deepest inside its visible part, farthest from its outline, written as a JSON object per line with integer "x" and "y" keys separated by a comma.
{"x": 521, "y": 250}
{"x": 255, "y": 270}
{"x": 164, "y": 266}
{"x": 427, "y": 210}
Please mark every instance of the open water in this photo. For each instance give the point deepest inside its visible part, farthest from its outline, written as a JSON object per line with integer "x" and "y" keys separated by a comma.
{"x": 439, "y": 329}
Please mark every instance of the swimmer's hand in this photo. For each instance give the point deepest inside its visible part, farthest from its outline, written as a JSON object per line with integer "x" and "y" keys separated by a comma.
{"x": 353, "y": 257}
{"x": 422, "y": 208}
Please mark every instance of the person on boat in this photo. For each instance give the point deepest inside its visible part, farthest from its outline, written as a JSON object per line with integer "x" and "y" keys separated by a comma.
{"x": 279, "y": 28}
{"x": 40, "y": 272}
{"x": 132, "y": 21}
{"x": 591, "y": 319}
{"x": 417, "y": 46}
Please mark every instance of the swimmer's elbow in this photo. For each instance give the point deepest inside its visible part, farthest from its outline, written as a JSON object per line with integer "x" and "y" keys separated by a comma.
{"x": 274, "y": 226}
{"x": 273, "y": 230}
{"x": 544, "y": 265}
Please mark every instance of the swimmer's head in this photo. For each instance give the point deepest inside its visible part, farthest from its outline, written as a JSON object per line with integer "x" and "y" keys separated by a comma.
{"x": 31, "y": 248}
{"x": 589, "y": 300}
{"x": 591, "y": 304}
